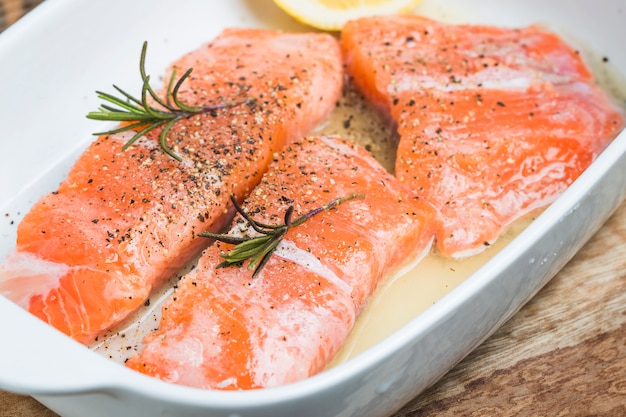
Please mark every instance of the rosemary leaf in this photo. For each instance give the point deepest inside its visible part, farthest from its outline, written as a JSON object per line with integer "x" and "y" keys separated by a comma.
{"x": 141, "y": 114}
{"x": 258, "y": 249}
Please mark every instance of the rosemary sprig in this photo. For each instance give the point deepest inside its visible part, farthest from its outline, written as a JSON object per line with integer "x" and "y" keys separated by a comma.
{"x": 259, "y": 249}
{"x": 137, "y": 113}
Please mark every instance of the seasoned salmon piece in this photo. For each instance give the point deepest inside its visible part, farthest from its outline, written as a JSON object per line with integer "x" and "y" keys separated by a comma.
{"x": 122, "y": 222}
{"x": 493, "y": 122}
{"x": 225, "y": 329}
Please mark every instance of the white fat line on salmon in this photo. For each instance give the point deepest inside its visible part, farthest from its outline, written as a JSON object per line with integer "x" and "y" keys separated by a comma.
{"x": 345, "y": 149}
{"x": 491, "y": 79}
{"x": 27, "y": 272}
{"x": 288, "y": 250}
{"x": 78, "y": 306}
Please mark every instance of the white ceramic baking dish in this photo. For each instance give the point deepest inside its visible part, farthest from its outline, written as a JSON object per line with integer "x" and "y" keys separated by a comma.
{"x": 52, "y": 61}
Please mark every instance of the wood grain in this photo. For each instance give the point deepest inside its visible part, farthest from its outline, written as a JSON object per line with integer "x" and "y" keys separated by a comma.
{"x": 563, "y": 354}
{"x": 12, "y": 10}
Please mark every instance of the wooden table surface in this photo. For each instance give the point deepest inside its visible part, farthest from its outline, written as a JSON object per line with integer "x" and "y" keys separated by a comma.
{"x": 563, "y": 354}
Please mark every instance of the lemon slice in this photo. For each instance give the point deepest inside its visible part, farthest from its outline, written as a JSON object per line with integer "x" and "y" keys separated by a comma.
{"x": 333, "y": 14}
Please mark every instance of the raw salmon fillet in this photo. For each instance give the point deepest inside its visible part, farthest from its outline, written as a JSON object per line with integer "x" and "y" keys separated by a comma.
{"x": 122, "y": 222}
{"x": 224, "y": 329}
{"x": 493, "y": 122}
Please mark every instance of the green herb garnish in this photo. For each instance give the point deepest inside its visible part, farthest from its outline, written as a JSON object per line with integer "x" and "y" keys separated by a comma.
{"x": 259, "y": 249}
{"x": 139, "y": 114}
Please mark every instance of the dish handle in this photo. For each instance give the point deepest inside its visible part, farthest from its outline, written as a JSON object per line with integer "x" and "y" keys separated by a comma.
{"x": 32, "y": 352}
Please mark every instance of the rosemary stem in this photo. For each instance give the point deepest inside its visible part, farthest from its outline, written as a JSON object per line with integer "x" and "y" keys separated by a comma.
{"x": 258, "y": 249}
{"x": 328, "y": 206}
{"x": 138, "y": 112}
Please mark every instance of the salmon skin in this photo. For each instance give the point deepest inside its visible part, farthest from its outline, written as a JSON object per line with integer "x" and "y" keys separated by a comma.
{"x": 493, "y": 122}
{"x": 223, "y": 329}
{"x": 122, "y": 222}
